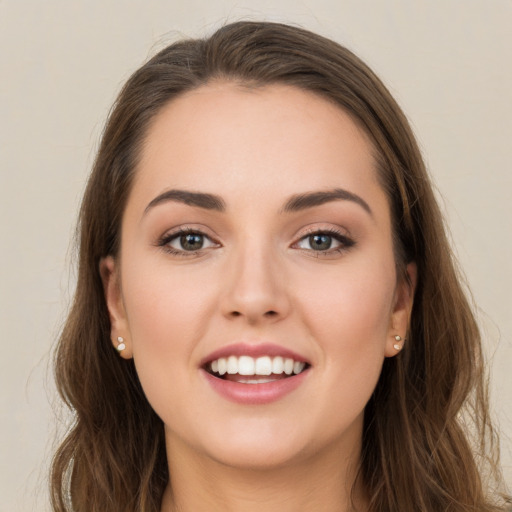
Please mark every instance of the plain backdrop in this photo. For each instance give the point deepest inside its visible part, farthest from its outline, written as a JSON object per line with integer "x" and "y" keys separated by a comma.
{"x": 448, "y": 62}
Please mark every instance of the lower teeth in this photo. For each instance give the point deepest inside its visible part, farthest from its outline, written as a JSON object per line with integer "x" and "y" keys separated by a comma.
{"x": 252, "y": 379}
{"x": 255, "y": 381}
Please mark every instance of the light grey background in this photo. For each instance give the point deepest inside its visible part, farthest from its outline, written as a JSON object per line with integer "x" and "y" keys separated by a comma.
{"x": 448, "y": 62}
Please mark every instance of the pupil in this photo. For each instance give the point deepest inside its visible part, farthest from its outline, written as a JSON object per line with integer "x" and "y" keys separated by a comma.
{"x": 320, "y": 242}
{"x": 191, "y": 242}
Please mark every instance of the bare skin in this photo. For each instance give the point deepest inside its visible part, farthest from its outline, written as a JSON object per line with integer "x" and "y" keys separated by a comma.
{"x": 303, "y": 487}
{"x": 314, "y": 276}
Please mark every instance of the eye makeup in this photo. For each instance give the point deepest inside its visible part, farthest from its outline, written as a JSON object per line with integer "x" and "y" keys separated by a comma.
{"x": 189, "y": 241}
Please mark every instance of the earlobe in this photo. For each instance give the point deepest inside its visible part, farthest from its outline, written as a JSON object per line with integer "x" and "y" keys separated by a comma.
{"x": 402, "y": 309}
{"x": 109, "y": 273}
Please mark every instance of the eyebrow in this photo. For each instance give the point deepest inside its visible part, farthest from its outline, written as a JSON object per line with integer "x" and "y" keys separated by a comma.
{"x": 200, "y": 199}
{"x": 296, "y": 203}
{"x": 308, "y": 200}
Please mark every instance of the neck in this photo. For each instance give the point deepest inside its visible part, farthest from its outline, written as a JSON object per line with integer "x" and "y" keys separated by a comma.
{"x": 323, "y": 482}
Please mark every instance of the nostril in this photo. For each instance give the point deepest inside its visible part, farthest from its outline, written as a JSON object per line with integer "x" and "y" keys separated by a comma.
{"x": 267, "y": 314}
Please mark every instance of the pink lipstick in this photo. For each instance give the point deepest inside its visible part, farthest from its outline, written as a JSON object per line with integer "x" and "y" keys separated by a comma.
{"x": 254, "y": 373}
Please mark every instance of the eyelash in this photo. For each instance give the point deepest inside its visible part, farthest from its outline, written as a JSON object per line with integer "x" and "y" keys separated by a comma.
{"x": 165, "y": 241}
{"x": 345, "y": 242}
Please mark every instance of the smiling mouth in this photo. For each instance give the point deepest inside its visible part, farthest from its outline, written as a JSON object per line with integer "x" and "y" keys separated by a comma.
{"x": 259, "y": 370}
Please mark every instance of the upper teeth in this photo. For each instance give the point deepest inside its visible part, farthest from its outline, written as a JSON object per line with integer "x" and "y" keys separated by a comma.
{"x": 246, "y": 365}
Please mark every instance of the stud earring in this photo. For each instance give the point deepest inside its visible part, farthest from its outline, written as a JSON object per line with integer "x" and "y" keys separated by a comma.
{"x": 397, "y": 346}
{"x": 121, "y": 345}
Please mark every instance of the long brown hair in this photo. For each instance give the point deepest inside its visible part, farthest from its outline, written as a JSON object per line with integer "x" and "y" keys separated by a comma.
{"x": 426, "y": 429}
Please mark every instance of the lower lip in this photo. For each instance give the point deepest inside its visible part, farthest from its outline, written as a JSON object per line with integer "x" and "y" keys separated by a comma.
{"x": 255, "y": 394}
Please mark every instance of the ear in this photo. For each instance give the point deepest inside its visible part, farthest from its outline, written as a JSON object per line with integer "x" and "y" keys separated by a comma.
{"x": 402, "y": 308}
{"x": 109, "y": 272}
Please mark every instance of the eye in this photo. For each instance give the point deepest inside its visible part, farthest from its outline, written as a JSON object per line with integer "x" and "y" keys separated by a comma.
{"x": 317, "y": 242}
{"x": 325, "y": 241}
{"x": 186, "y": 241}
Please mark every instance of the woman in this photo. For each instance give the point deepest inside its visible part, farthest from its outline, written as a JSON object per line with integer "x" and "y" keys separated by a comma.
{"x": 260, "y": 243}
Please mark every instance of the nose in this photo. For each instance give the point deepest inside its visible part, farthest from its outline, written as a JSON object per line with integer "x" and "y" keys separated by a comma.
{"x": 255, "y": 288}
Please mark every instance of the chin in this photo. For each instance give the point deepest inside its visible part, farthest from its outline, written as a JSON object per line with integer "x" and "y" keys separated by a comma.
{"x": 253, "y": 444}
{"x": 255, "y": 457}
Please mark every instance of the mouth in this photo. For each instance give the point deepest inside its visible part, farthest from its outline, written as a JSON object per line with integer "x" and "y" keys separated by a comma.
{"x": 255, "y": 370}
{"x": 255, "y": 373}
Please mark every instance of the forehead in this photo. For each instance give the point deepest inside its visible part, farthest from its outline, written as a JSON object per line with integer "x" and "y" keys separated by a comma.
{"x": 254, "y": 142}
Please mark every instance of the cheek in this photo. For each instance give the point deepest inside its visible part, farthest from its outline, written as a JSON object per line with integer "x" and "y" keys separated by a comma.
{"x": 349, "y": 317}
{"x": 164, "y": 309}
{"x": 167, "y": 316}
{"x": 348, "y": 314}
{"x": 351, "y": 309}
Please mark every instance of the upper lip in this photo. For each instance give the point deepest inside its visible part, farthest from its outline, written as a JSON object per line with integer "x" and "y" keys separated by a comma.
{"x": 253, "y": 350}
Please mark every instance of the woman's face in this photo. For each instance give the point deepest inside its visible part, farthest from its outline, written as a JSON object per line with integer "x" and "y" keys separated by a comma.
{"x": 257, "y": 232}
